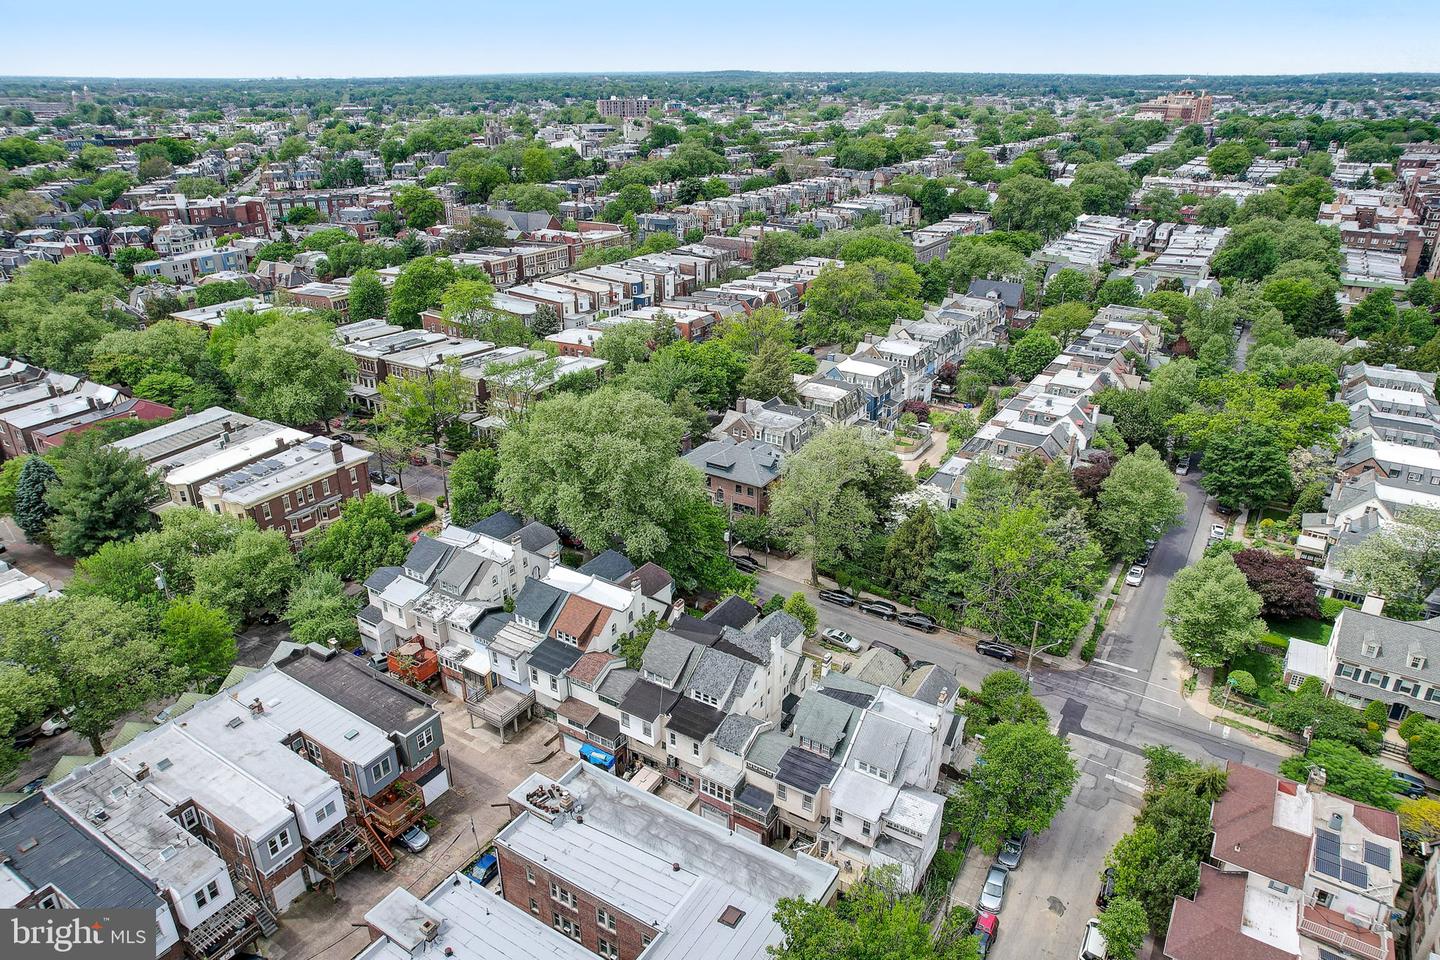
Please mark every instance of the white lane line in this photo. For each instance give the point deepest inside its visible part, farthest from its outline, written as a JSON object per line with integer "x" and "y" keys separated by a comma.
{"x": 1117, "y": 666}
{"x": 1127, "y": 784}
{"x": 1132, "y": 693}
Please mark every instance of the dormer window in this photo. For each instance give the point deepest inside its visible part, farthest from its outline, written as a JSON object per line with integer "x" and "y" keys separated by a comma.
{"x": 1417, "y": 661}
{"x": 1372, "y": 649}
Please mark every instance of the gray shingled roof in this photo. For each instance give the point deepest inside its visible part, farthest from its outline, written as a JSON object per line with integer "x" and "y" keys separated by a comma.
{"x": 880, "y": 742}
{"x": 538, "y": 601}
{"x": 880, "y": 667}
{"x": 611, "y": 565}
{"x": 734, "y": 732}
{"x": 455, "y": 577}
{"x": 756, "y": 639}
{"x": 693, "y": 719}
{"x": 77, "y": 864}
{"x": 617, "y": 683}
{"x": 647, "y": 700}
{"x": 805, "y": 770}
{"x": 754, "y": 462}
{"x": 668, "y": 656}
{"x": 733, "y": 611}
{"x": 536, "y": 537}
{"x": 388, "y": 704}
{"x": 553, "y": 657}
{"x": 426, "y": 555}
{"x": 382, "y": 577}
{"x": 370, "y": 614}
{"x": 823, "y": 720}
{"x": 716, "y": 674}
{"x": 767, "y": 750}
{"x": 929, "y": 683}
{"x": 489, "y": 625}
{"x": 499, "y": 525}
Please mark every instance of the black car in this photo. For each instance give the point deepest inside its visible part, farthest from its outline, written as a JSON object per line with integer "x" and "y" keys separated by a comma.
{"x": 1408, "y": 785}
{"x": 344, "y": 438}
{"x": 918, "y": 621}
{"x": 880, "y": 608}
{"x": 889, "y": 648}
{"x": 838, "y": 596}
{"x": 996, "y": 649}
{"x": 377, "y": 477}
{"x": 1107, "y": 888}
{"x": 745, "y": 564}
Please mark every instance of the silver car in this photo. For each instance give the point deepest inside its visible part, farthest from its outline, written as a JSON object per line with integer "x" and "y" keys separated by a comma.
{"x": 842, "y": 639}
{"x": 992, "y": 895}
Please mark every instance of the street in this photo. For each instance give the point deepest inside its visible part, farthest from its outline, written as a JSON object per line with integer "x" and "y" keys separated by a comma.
{"x": 1127, "y": 698}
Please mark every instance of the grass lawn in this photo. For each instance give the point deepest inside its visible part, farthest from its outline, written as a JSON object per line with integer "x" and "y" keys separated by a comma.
{"x": 1315, "y": 631}
{"x": 1266, "y": 670}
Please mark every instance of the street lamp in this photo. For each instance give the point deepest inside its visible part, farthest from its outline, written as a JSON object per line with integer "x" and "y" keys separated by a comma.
{"x": 1034, "y": 638}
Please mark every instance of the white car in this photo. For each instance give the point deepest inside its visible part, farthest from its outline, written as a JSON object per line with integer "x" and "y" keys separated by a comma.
{"x": 1217, "y": 531}
{"x": 1135, "y": 576}
{"x": 842, "y": 639}
{"x": 58, "y": 723}
{"x": 1093, "y": 947}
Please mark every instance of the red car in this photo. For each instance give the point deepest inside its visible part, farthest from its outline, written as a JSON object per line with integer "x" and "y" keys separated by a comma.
{"x": 987, "y": 926}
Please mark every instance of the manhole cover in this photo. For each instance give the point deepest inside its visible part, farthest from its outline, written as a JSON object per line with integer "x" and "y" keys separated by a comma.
{"x": 1057, "y": 906}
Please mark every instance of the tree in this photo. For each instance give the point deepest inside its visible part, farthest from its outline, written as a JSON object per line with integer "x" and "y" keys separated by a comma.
{"x": 1103, "y": 188}
{"x": 909, "y": 549}
{"x": 603, "y": 466}
{"x": 1026, "y": 775}
{"x": 1031, "y": 354}
{"x": 1421, "y": 817}
{"x": 1246, "y": 468}
{"x": 625, "y": 344}
{"x": 319, "y": 610}
{"x": 1123, "y": 924}
{"x": 1117, "y": 290}
{"x": 544, "y": 322}
{"x": 104, "y": 494}
{"x": 632, "y": 645}
{"x": 1004, "y": 697}
{"x": 127, "y": 257}
{"x": 1425, "y": 749}
{"x": 1372, "y": 315}
{"x": 1348, "y": 773}
{"x": 1138, "y": 502}
{"x": 291, "y": 371}
{"x": 1030, "y": 203}
{"x": 975, "y": 258}
{"x": 97, "y": 655}
{"x": 254, "y": 574}
{"x": 154, "y": 168}
{"x": 1229, "y": 160}
{"x": 473, "y": 495}
{"x": 770, "y": 374}
{"x": 367, "y": 295}
{"x": 820, "y": 506}
{"x": 420, "y": 285}
{"x": 843, "y": 303}
{"x": 419, "y": 207}
{"x": 1284, "y": 583}
{"x": 9, "y": 479}
{"x": 799, "y": 608}
{"x": 32, "y": 506}
{"x": 1212, "y": 612}
{"x": 199, "y": 639}
{"x": 746, "y": 333}
{"x": 467, "y": 303}
{"x": 1308, "y": 706}
{"x": 369, "y": 534}
{"x": 1400, "y": 561}
{"x": 1068, "y": 285}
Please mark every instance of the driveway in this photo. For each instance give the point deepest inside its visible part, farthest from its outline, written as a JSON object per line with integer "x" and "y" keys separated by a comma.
{"x": 35, "y": 559}
{"x": 482, "y": 772}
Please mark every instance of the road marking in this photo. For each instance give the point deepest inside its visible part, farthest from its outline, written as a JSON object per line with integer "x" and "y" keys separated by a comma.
{"x": 1132, "y": 693}
{"x": 1118, "y": 666}
{"x": 1127, "y": 784}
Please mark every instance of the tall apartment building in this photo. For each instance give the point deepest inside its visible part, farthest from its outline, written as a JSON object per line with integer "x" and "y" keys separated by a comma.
{"x": 625, "y": 107}
{"x": 1184, "y": 106}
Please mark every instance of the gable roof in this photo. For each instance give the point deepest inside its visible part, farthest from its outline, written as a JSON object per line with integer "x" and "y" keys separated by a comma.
{"x": 538, "y": 602}
{"x": 580, "y": 618}
{"x": 669, "y": 656}
{"x": 646, "y": 700}
{"x": 653, "y": 579}
{"x": 610, "y": 565}
{"x": 553, "y": 657}
{"x": 805, "y": 770}
{"x": 499, "y": 525}
{"x": 734, "y": 732}
{"x": 1246, "y": 833}
{"x": 693, "y": 719}
{"x": 734, "y": 611}
{"x": 824, "y": 720}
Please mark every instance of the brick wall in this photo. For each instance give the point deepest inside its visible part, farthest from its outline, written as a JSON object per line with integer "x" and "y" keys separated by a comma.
{"x": 535, "y": 898}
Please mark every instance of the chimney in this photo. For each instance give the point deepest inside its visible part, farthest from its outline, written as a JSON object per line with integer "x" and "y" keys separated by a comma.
{"x": 337, "y": 451}
{"x": 1373, "y": 604}
{"x": 142, "y": 771}
{"x": 256, "y": 707}
{"x": 634, "y": 584}
{"x": 1316, "y": 779}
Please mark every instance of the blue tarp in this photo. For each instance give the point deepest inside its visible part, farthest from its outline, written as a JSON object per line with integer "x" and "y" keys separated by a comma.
{"x": 597, "y": 756}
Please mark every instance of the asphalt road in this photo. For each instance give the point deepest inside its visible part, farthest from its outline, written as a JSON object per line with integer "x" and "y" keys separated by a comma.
{"x": 1127, "y": 698}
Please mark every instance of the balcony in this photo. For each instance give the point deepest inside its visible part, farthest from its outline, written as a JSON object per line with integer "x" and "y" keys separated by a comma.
{"x": 396, "y": 808}
{"x": 1358, "y": 941}
{"x": 338, "y": 852}
{"x": 236, "y": 924}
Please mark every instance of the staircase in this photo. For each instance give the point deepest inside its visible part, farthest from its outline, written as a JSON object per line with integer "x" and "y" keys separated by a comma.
{"x": 378, "y": 847}
{"x": 267, "y": 921}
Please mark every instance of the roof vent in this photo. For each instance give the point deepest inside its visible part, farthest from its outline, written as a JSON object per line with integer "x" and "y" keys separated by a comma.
{"x": 1336, "y": 821}
{"x": 234, "y": 722}
{"x": 674, "y": 868}
{"x": 164, "y": 763}
{"x": 351, "y": 734}
{"x": 732, "y": 916}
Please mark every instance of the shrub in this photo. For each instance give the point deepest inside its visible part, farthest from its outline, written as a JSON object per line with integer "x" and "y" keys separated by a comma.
{"x": 424, "y": 513}
{"x": 1330, "y": 607}
{"x": 1244, "y": 682}
{"x": 1412, "y": 726}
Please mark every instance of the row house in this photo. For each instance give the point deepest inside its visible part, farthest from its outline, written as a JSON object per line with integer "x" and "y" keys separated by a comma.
{"x": 880, "y": 384}
{"x": 1185, "y": 253}
{"x": 1371, "y": 657}
{"x": 654, "y": 880}
{"x": 177, "y": 238}
{"x": 1293, "y": 871}
{"x": 320, "y": 296}
{"x": 1377, "y": 228}
{"x": 29, "y": 408}
{"x": 328, "y": 203}
{"x": 189, "y": 267}
{"x": 296, "y": 489}
{"x": 933, "y": 242}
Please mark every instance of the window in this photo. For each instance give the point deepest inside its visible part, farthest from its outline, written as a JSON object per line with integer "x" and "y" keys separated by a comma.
{"x": 562, "y": 896}
{"x": 865, "y": 828}
{"x": 1409, "y": 688}
{"x": 566, "y": 926}
{"x": 325, "y": 812}
{"x": 265, "y": 509}
{"x": 210, "y": 892}
{"x": 345, "y": 771}
{"x": 278, "y": 842}
{"x": 534, "y": 907}
{"x": 1372, "y": 649}
{"x": 645, "y": 728}
{"x": 839, "y": 819}
{"x": 605, "y": 918}
{"x": 1279, "y": 887}
{"x": 325, "y": 487}
{"x": 694, "y": 748}
{"x": 672, "y": 738}
{"x": 285, "y": 502}
{"x": 807, "y": 803}
{"x": 607, "y": 949}
{"x": 529, "y": 875}
{"x": 1323, "y": 897}
{"x": 189, "y": 818}
{"x": 534, "y": 675}
{"x": 427, "y": 737}
{"x": 381, "y": 769}
{"x": 50, "y": 902}
{"x": 645, "y": 939}
{"x": 1417, "y": 661}
{"x": 781, "y": 792}
{"x": 206, "y": 821}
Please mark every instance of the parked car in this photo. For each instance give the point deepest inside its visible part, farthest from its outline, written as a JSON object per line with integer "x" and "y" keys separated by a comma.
{"x": 842, "y": 639}
{"x": 987, "y": 927}
{"x": 992, "y": 895}
{"x": 918, "y": 621}
{"x": 745, "y": 563}
{"x": 996, "y": 649}
{"x": 344, "y": 437}
{"x": 1408, "y": 785}
{"x": 1135, "y": 576}
{"x": 838, "y": 596}
{"x": 1107, "y": 888}
{"x": 1182, "y": 466}
{"x": 33, "y": 785}
{"x": 2, "y": 548}
{"x": 1012, "y": 850}
{"x": 379, "y": 661}
{"x": 1217, "y": 532}
{"x": 891, "y": 648}
{"x": 415, "y": 839}
{"x": 418, "y": 459}
{"x": 23, "y": 741}
{"x": 883, "y": 609}
{"x": 485, "y": 868}
{"x": 1093, "y": 946}
{"x": 57, "y": 723}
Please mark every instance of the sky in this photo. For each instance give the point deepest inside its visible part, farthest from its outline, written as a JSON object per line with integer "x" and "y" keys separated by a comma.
{"x": 365, "y": 38}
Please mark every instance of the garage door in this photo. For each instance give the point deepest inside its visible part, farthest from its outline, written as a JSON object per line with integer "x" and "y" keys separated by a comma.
{"x": 710, "y": 813}
{"x": 455, "y": 686}
{"x": 288, "y": 889}
{"x": 572, "y": 746}
{"x": 749, "y": 833}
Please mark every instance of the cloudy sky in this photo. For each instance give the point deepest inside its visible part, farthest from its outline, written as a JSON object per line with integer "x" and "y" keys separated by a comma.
{"x": 267, "y": 38}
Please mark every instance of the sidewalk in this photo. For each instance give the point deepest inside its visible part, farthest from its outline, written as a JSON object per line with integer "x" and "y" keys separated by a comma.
{"x": 1199, "y": 701}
